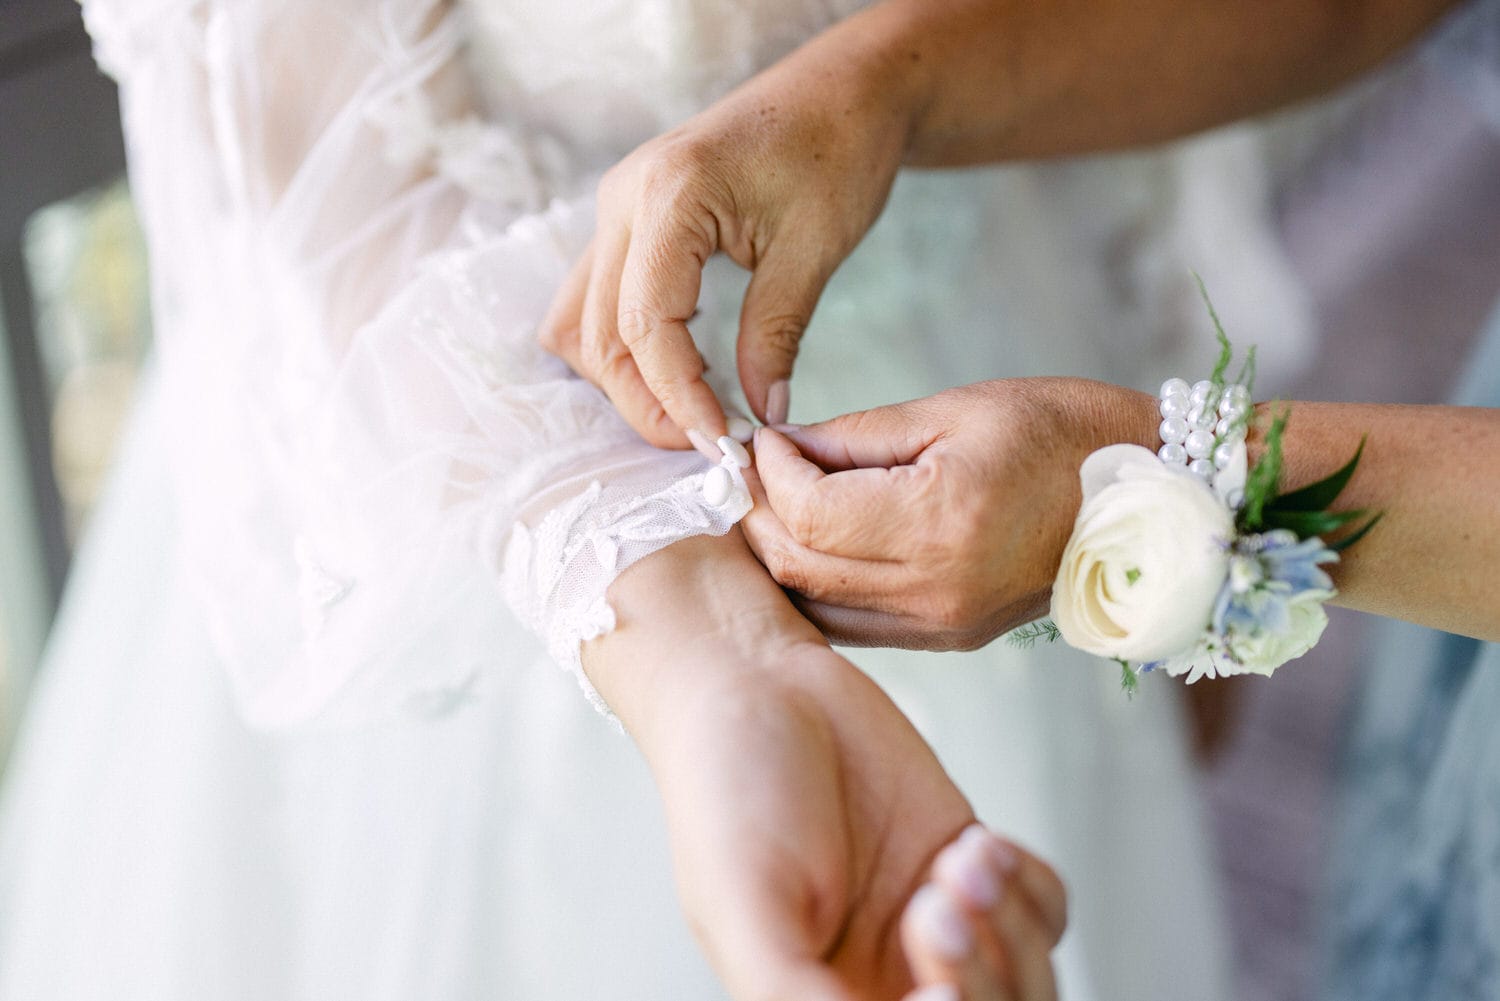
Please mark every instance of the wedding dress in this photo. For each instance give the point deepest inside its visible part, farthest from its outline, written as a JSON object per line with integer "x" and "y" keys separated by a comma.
{"x": 300, "y": 734}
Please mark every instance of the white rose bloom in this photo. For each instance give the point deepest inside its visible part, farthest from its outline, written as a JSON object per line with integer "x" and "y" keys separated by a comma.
{"x": 1264, "y": 653}
{"x": 1148, "y": 555}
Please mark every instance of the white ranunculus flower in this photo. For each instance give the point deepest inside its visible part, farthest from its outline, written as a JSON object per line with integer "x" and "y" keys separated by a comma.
{"x": 1264, "y": 653}
{"x": 1148, "y": 554}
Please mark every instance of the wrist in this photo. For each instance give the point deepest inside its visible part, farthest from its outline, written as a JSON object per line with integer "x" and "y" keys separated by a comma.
{"x": 695, "y": 620}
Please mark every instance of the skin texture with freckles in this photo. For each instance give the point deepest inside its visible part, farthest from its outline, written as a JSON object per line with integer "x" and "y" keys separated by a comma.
{"x": 786, "y": 173}
{"x": 935, "y": 524}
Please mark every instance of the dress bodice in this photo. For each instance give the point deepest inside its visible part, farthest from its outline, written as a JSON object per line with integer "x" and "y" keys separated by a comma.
{"x": 604, "y": 77}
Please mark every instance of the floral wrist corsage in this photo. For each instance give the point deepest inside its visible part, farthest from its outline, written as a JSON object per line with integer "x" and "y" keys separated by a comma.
{"x": 1186, "y": 561}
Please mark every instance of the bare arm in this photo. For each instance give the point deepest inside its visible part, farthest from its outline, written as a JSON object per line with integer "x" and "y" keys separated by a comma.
{"x": 1007, "y": 79}
{"x": 787, "y": 173}
{"x": 803, "y": 808}
{"x": 1434, "y": 559}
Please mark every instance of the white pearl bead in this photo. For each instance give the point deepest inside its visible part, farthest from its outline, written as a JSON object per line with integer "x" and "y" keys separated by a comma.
{"x": 735, "y": 451}
{"x": 1172, "y": 455}
{"x": 1202, "y": 468}
{"x": 1174, "y": 406}
{"x": 1237, "y": 396}
{"x": 741, "y": 430}
{"x": 1224, "y": 455}
{"x": 1224, "y": 428}
{"x": 1200, "y": 391}
{"x": 1199, "y": 444}
{"x": 1174, "y": 430}
{"x": 1236, "y": 498}
{"x": 717, "y": 486}
{"x": 1201, "y": 418}
{"x": 1174, "y": 387}
{"x": 1233, "y": 409}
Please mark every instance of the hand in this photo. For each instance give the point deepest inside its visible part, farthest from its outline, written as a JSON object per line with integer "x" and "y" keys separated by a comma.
{"x": 784, "y": 175}
{"x": 984, "y": 928}
{"x": 940, "y": 523}
{"x": 803, "y": 808}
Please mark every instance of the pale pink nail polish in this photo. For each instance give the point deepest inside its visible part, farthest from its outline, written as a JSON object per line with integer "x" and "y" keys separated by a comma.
{"x": 704, "y": 444}
{"x": 942, "y": 923}
{"x": 967, "y": 866}
{"x": 936, "y": 992}
{"x": 1001, "y": 851}
{"x": 778, "y": 401}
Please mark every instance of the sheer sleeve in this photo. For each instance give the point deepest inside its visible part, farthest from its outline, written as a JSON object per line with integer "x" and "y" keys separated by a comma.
{"x": 349, "y": 264}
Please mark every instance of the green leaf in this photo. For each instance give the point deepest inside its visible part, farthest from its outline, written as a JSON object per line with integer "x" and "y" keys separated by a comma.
{"x": 1025, "y": 637}
{"x": 1260, "y": 484}
{"x": 1318, "y": 496}
{"x": 1130, "y": 682}
{"x": 1226, "y": 352}
{"x": 1246, "y": 377}
{"x": 1359, "y": 533}
{"x": 1309, "y": 523}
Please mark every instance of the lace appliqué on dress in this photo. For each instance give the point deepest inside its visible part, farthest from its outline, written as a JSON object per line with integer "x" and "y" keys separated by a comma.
{"x": 556, "y": 574}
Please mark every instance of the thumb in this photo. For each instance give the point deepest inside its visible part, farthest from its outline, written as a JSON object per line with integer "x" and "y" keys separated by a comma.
{"x": 779, "y": 304}
{"x": 885, "y": 436}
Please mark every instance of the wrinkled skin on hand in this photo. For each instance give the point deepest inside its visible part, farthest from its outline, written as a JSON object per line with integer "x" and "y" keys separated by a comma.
{"x": 939, "y": 523}
{"x": 784, "y": 175}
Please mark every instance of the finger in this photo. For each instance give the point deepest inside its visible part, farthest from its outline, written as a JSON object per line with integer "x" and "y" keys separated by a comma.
{"x": 605, "y": 359}
{"x": 834, "y": 579}
{"x": 941, "y": 943}
{"x": 864, "y": 627}
{"x": 866, "y": 514}
{"x": 985, "y": 874}
{"x": 779, "y": 303}
{"x": 886, "y": 436}
{"x": 559, "y": 330}
{"x": 658, "y": 291}
{"x": 1042, "y": 887}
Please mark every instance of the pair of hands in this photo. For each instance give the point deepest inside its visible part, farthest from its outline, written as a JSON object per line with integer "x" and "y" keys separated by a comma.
{"x": 821, "y": 852}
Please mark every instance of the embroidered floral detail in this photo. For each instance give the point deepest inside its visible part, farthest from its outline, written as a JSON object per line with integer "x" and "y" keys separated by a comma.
{"x": 318, "y": 589}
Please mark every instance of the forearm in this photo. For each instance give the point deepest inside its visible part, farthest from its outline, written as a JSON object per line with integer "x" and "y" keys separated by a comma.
{"x": 988, "y": 80}
{"x": 1434, "y": 559}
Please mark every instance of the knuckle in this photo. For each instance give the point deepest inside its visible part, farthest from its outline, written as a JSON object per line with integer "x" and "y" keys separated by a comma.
{"x": 804, "y": 525}
{"x": 782, "y": 333}
{"x": 785, "y": 569}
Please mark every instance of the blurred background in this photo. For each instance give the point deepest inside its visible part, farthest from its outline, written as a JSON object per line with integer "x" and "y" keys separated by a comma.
{"x": 74, "y": 317}
{"x": 75, "y": 328}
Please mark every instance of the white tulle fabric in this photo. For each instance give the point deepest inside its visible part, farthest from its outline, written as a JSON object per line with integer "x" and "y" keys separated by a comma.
{"x": 351, "y": 258}
{"x": 358, "y": 211}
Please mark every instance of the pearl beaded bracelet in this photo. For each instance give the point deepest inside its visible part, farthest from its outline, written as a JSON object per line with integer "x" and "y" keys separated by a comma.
{"x": 1203, "y": 428}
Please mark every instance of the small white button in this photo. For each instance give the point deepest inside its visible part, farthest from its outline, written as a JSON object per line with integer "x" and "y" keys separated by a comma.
{"x": 717, "y": 486}
{"x": 735, "y": 451}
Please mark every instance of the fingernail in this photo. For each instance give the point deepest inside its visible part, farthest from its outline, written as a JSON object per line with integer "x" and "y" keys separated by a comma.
{"x": 966, "y": 865}
{"x": 942, "y": 924}
{"x": 786, "y": 428}
{"x": 936, "y": 992}
{"x": 778, "y": 401}
{"x": 1003, "y": 853}
{"x": 703, "y": 443}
